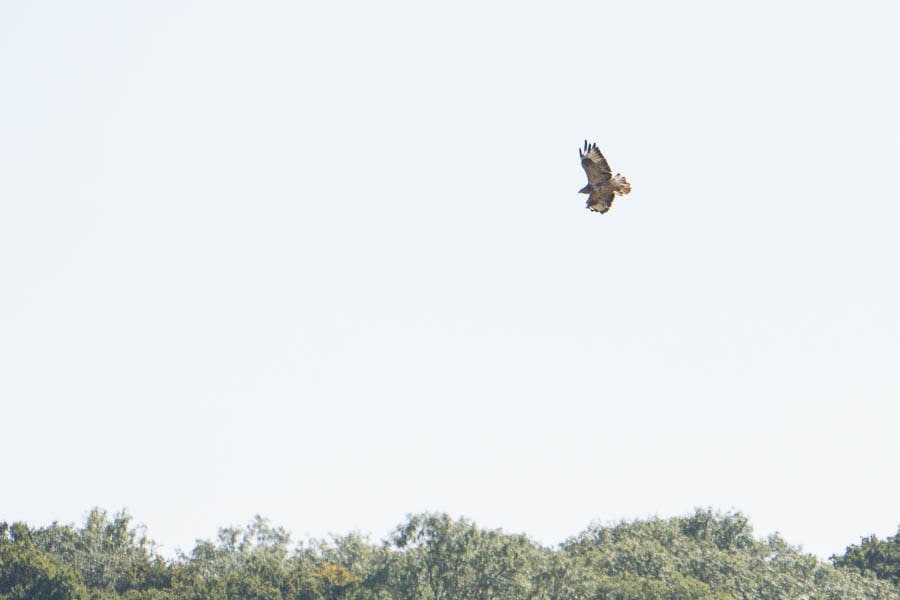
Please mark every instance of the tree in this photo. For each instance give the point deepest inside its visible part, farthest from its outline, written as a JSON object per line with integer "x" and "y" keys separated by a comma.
{"x": 880, "y": 558}
{"x": 441, "y": 559}
{"x": 27, "y": 573}
{"x": 244, "y": 564}
{"x": 108, "y": 551}
{"x": 707, "y": 555}
{"x": 702, "y": 556}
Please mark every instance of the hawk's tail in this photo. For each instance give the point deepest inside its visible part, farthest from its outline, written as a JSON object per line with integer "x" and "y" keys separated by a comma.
{"x": 620, "y": 185}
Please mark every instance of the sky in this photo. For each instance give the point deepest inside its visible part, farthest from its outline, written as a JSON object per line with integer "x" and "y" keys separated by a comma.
{"x": 326, "y": 262}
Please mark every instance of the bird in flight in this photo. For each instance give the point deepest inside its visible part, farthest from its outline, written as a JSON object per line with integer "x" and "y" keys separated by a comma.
{"x": 603, "y": 186}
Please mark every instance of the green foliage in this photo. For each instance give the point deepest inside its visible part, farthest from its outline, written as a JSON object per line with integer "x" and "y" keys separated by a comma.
{"x": 27, "y": 573}
{"x": 880, "y": 558}
{"x": 443, "y": 559}
{"x": 703, "y": 556}
{"x": 708, "y": 555}
{"x": 109, "y": 554}
{"x": 248, "y": 563}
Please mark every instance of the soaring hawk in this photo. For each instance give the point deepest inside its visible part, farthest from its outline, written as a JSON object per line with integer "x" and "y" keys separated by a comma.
{"x": 603, "y": 186}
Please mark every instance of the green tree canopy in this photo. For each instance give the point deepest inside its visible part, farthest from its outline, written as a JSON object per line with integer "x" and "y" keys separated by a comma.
{"x": 432, "y": 556}
{"x": 878, "y": 557}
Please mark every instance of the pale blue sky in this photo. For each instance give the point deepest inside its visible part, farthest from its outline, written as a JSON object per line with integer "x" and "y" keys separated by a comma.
{"x": 326, "y": 262}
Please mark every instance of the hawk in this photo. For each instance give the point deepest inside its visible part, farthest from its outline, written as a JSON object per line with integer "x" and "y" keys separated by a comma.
{"x": 603, "y": 186}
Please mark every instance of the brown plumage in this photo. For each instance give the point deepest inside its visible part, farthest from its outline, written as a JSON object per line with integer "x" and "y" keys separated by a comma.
{"x": 603, "y": 186}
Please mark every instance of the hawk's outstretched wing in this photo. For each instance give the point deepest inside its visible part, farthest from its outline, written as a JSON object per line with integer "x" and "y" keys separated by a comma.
{"x": 594, "y": 164}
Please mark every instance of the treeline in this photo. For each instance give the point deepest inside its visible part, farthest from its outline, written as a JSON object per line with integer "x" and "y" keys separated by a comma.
{"x": 704, "y": 556}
